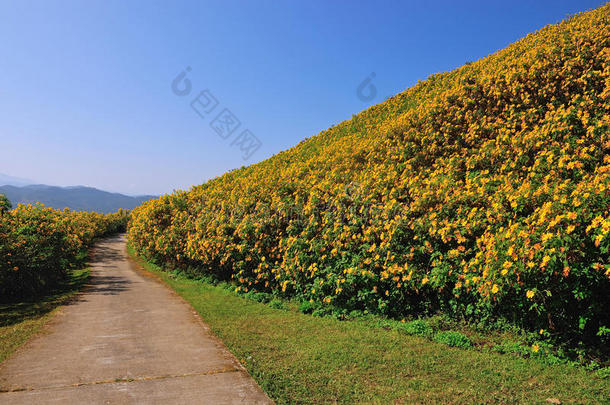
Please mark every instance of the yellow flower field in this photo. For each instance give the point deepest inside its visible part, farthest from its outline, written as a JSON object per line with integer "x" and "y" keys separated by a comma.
{"x": 483, "y": 192}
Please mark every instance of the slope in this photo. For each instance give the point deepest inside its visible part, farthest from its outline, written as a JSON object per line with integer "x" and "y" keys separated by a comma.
{"x": 482, "y": 192}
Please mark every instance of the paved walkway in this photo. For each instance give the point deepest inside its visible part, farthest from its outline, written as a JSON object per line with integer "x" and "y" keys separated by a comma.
{"x": 126, "y": 339}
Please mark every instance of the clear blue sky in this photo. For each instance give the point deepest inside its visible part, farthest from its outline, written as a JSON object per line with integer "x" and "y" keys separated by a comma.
{"x": 85, "y": 86}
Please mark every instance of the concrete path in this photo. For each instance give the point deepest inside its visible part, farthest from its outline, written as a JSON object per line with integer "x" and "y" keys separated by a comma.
{"x": 126, "y": 339}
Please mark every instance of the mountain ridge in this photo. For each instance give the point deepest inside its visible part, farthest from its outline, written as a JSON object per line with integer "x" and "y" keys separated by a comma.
{"x": 77, "y": 198}
{"x": 8, "y": 180}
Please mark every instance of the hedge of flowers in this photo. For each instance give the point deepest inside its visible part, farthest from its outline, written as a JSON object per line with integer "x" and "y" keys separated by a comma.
{"x": 39, "y": 246}
{"x": 483, "y": 192}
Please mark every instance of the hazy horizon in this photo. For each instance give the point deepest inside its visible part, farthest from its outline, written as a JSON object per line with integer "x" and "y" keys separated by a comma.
{"x": 15, "y": 181}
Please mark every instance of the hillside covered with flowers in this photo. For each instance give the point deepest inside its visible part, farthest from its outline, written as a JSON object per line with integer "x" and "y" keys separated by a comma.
{"x": 483, "y": 193}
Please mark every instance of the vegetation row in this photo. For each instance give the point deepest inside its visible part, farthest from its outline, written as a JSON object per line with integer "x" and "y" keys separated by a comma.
{"x": 39, "y": 246}
{"x": 483, "y": 193}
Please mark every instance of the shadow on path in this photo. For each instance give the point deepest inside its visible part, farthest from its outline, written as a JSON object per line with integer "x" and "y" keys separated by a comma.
{"x": 12, "y": 313}
{"x": 74, "y": 290}
{"x": 106, "y": 285}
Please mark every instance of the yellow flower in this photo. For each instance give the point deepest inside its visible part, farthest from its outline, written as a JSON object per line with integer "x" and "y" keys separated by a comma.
{"x": 535, "y": 348}
{"x": 398, "y": 204}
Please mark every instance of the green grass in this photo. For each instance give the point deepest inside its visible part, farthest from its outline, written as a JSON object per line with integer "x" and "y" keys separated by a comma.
{"x": 299, "y": 358}
{"x": 20, "y": 321}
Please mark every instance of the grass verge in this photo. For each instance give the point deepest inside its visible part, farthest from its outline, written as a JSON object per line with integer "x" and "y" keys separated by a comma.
{"x": 20, "y": 321}
{"x": 299, "y": 358}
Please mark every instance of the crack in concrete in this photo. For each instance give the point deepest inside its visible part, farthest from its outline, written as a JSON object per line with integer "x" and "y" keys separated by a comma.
{"x": 122, "y": 380}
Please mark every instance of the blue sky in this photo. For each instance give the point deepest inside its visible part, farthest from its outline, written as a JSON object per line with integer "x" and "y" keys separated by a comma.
{"x": 85, "y": 86}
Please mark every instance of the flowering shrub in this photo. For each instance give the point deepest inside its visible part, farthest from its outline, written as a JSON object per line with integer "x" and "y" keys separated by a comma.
{"x": 483, "y": 192}
{"x": 39, "y": 245}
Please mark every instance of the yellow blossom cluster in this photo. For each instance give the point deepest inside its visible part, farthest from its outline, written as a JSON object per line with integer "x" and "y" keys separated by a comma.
{"x": 485, "y": 190}
{"x": 38, "y": 245}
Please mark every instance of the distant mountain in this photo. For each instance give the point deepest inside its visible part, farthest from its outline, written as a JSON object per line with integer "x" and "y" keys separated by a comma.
{"x": 76, "y": 198}
{"x": 6, "y": 180}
